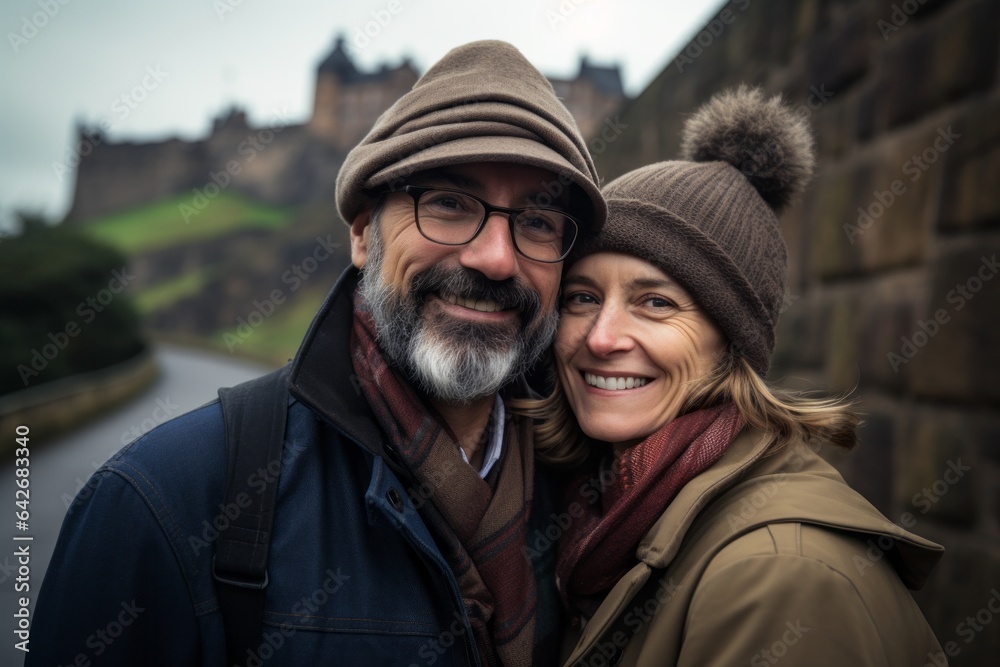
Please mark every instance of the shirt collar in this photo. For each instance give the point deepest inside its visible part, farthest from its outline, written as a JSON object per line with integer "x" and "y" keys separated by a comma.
{"x": 494, "y": 445}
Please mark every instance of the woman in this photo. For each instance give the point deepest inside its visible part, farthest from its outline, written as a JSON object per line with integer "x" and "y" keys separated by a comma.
{"x": 705, "y": 529}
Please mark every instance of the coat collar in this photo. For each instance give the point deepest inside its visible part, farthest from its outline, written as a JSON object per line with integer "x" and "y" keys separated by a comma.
{"x": 322, "y": 374}
{"x": 808, "y": 490}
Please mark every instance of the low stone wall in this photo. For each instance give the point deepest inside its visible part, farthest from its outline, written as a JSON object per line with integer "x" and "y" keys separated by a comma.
{"x": 58, "y": 406}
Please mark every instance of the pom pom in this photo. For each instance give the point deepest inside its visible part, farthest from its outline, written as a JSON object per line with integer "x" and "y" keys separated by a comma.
{"x": 765, "y": 139}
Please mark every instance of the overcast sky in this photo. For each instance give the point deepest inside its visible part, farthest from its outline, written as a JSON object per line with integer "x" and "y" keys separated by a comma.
{"x": 180, "y": 63}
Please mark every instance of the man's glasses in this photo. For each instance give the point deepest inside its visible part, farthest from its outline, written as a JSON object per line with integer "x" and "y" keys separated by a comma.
{"x": 454, "y": 217}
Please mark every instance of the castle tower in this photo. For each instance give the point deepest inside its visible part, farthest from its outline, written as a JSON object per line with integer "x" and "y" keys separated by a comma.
{"x": 592, "y": 96}
{"x": 347, "y": 100}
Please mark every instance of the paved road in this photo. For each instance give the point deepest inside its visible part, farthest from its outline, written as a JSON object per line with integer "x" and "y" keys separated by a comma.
{"x": 61, "y": 467}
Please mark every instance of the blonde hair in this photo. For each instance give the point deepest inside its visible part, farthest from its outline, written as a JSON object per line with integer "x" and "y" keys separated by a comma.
{"x": 782, "y": 413}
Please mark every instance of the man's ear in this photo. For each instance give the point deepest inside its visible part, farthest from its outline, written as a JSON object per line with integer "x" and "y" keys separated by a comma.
{"x": 360, "y": 229}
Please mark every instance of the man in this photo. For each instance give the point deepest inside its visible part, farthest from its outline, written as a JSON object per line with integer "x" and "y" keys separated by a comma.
{"x": 406, "y": 493}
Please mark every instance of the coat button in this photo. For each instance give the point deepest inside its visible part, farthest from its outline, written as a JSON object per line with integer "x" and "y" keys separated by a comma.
{"x": 395, "y": 500}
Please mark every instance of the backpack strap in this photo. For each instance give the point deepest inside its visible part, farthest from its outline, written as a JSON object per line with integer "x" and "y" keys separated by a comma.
{"x": 254, "y": 413}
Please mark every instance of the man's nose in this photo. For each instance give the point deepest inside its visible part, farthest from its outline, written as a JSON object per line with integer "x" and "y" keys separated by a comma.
{"x": 492, "y": 252}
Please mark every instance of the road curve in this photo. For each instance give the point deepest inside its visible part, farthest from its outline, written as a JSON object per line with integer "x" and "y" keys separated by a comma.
{"x": 59, "y": 468}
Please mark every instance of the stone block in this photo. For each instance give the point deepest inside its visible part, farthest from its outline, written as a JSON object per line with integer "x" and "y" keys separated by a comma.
{"x": 959, "y": 590}
{"x": 957, "y": 356}
{"x": 839, "y": 55}
{"x": 842, "y": 343}
{"x": 834, "y": 123}
{"x": 990, "y": 439}
{"x": 801, "y": 335}
{"x": 941, "y": 61}
{"x": 939, "y": 468}
{"x": 831, "y": 204}
{"x": 887, "y": 313}
{"x": 766, "y": 19}
{"x": 870, "y": 102}
{"x": 973, "y": 196}
{"x": 807, "y": 15}
{"x": 895, "y": 218}
{"x": 969, "y": 196}
{"x": 871, "y": 465}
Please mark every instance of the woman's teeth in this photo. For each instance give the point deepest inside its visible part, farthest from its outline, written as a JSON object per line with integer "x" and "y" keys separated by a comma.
{"x": 614, "y": 384}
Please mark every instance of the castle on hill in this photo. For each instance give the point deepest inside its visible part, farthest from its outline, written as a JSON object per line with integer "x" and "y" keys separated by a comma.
{"x": 283, "y": 163}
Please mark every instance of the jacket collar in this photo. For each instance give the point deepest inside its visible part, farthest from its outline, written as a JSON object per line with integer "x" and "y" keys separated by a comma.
{"x": 322, "y": 374}
{"x": 811, "y": 491}
{"x": 663, "y": 540}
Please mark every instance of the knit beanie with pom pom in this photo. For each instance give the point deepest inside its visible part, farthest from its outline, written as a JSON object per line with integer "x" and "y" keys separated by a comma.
{"x": 710, "y": 221}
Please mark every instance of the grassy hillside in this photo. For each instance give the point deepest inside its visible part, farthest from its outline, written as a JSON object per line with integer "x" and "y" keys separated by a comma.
{"x": 169, "y": 292}
{"x": 175, "y": 221}
{"x": 278, "y": 337}
{"x": 195, "y": 279}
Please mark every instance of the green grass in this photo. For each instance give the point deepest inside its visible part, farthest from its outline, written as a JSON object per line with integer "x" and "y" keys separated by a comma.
{"x": 174, "y": 221}
{"x": 279, "y": 336}
{"x": 167, "y": 293}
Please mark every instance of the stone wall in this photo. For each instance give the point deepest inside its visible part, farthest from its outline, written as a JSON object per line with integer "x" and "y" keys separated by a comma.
{"x": 892, "y": 289}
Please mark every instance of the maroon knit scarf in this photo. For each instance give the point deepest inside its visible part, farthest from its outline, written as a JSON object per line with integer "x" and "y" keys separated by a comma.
{"x": 599, "y": 547}
{"x": 479, "y": 529}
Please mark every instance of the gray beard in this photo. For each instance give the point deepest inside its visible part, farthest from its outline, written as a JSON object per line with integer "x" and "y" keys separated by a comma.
{"x": 453, "y": 361}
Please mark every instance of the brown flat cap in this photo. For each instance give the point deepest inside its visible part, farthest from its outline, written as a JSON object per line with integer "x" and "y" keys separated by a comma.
{"x": 482, "y": 102}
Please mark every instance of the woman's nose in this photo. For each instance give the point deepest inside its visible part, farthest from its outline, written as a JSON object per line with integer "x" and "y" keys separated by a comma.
{"x": 610, "y": 332}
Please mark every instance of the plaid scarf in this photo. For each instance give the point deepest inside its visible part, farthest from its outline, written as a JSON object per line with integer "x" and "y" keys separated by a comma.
{"x": 599, "y": 547}
{"x": 479, "y": 529}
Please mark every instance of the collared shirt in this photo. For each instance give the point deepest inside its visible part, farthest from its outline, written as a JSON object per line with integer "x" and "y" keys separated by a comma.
{"x": 494, "y": 446}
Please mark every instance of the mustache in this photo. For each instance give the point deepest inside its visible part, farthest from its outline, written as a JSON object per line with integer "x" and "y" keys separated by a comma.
{"x": 471, "y": 284}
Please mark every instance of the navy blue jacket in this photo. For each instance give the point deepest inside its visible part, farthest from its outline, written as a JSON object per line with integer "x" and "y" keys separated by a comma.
{"x": 354, "y": 578}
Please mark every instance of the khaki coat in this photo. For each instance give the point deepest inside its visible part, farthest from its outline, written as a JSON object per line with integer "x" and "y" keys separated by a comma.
{"x": 767, "y": 558}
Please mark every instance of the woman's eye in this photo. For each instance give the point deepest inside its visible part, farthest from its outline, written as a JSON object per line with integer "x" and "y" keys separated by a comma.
{"x": 579, "y": 299}
{"x": 659, "y": 302}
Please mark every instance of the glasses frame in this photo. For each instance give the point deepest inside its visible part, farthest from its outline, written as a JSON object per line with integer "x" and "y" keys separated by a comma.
{"x": 417, "y": 191}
